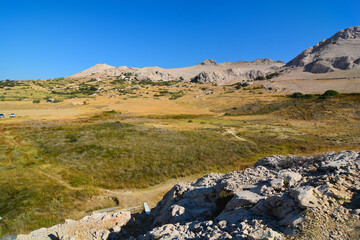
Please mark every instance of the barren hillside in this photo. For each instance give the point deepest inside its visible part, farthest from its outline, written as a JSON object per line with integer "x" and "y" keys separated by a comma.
{"x": 206, "y": 71}
{"x": 339, "y": 52}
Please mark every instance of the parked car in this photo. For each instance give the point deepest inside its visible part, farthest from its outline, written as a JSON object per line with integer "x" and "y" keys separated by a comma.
{"x": 12, "y": 114}
{"x": 2, "y": 115}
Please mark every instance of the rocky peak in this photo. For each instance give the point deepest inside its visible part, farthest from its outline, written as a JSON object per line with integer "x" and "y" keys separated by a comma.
{"x": 208, "y": 62}
{"x": 348, "y": 33}
{"x": 263, "y": 61}
{"x": 101, "y": 66}
{"x": 339, "y": 52}
{"x": 98, "y": 68}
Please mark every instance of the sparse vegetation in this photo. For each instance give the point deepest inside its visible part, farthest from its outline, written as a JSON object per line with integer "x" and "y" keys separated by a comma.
{"x": 241, "y": 85}
{"x": 176, "y": 95}
{"x": 56, "y": 166}
{"x": 8, "y": 83}
{"x": 272, "y": 75}
{"x": 157, "y": 83}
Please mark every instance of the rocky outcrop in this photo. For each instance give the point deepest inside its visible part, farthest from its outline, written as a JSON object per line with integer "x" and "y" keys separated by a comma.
{"x": 94, "y": 226}
{"x": 340, "y": 52}
{"x": 245, "y": 70}
{"x": 208, "y": 62}
{"x": 270, "y": 201}
{"x": 226, "y": 75}
{"x": 267, "y": 61}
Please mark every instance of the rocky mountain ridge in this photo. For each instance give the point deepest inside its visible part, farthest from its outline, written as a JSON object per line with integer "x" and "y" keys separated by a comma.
{"x": 206, "y": 71}
{"x": 339, "y": 52}
{"x": 282, "y": 197}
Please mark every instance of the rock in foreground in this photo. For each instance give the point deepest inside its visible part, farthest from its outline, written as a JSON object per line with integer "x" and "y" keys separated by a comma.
{"x": 94, "y": 226}
{"x": 279, "y": 198}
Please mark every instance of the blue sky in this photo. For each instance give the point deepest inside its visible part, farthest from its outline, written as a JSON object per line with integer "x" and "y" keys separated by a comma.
{"x": 56, "y": 38}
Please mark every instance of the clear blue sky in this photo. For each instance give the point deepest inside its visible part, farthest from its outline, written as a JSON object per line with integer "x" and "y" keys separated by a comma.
{"x": 55, "y": 38}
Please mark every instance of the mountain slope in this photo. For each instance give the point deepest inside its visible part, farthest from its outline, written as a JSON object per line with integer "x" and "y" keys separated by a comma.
{"x": 206, "y": 71}
{"x": 232, "y": 71}
{"x": 340, "y": 52}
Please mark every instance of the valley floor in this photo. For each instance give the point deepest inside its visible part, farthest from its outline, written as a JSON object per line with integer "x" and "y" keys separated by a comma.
{"x": 63, "y": 160}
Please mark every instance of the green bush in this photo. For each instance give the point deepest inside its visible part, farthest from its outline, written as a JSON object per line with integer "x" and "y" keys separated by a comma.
{"x": 300, "y": 95}
{"x": 331, "y": 93}
{"x": 308, "y": 96}
{"x": 270, "y": 76}
{"x": 36, "y": 101}
{"x": 259, "y": 78}
{"x": 328, "y": 94}
{"x": 241, "y": 85}
{"x": 297, "y": 95}
{"x": 164, "y": 92}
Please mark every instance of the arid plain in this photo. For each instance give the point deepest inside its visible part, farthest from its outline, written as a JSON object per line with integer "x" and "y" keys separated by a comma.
{"x": 123, "y": 142}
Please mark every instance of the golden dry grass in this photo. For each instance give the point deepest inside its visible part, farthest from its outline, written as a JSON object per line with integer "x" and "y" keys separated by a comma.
{"x": 47, "y": 144}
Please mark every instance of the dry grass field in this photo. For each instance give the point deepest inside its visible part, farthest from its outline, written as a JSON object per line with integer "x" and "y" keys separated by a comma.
{"x": 75, "y": 147}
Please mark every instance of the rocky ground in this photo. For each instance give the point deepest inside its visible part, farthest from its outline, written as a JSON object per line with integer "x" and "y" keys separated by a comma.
{"x": 94, "y": 226}
{"x": 282, "y": 197}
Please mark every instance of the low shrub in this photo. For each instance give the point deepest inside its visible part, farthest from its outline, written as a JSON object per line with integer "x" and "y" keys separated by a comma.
{"x": 241, "y": 85}
{"x": 272, "y": 75}
{"x": 297, "y": 95}
{"x": 328, "y": 94}
{"x": 176, "y": 95}
{"x": 259, "y": 78}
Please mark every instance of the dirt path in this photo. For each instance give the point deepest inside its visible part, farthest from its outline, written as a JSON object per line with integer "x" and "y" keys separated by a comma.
{"x": 129, "y": 197}
{"x": 59, "y": 180}
{"x": 240, "y": 138}
{"x": 152, "y": 195}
